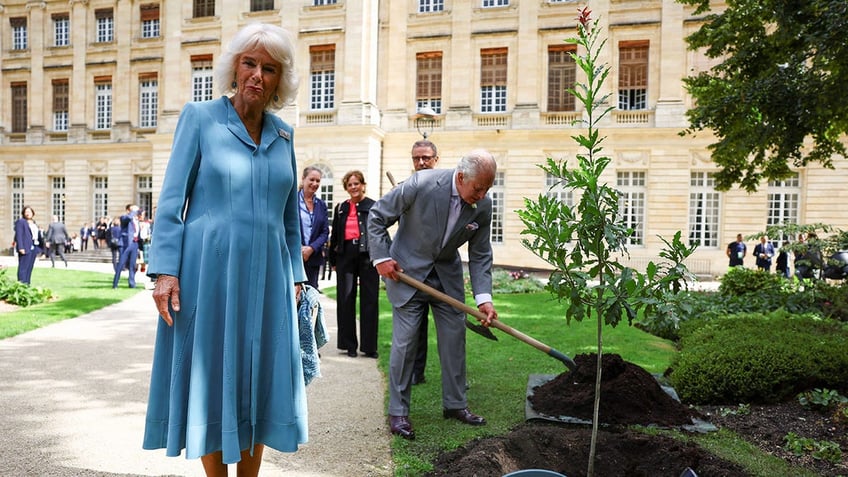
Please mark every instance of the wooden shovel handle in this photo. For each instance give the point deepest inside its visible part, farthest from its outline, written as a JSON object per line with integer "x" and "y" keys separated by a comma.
{"x": 459, "y": 305}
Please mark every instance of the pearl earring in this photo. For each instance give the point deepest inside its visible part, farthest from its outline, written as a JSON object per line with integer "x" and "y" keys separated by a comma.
{"x": 234, "y": 85}
{"x": 276, "y": 98}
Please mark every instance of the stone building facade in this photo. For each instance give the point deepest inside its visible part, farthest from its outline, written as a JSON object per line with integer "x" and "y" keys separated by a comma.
{"x": 91, "y": 91}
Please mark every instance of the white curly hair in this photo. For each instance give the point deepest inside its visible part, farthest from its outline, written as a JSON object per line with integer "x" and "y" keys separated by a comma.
{"x": 278, "y": 43}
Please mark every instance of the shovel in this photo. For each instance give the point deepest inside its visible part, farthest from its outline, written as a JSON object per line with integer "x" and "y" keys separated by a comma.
{"x": 569, "y": 363}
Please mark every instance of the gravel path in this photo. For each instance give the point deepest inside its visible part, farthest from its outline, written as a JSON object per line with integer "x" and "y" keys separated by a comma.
{"x": 73, "y": 397}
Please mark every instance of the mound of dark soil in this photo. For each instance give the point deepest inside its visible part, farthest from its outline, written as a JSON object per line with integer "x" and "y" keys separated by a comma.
{"x": 629, "y": 395}
{"x": 565, "y": 449}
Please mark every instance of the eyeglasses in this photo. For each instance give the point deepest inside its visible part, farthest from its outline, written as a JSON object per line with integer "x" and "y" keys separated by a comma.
{"x": 422, "y": 158}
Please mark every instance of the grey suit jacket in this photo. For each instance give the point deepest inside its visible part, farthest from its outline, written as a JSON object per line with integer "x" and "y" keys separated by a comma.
{"x": 56, "y": 233}
{"x": 420, "y": 206}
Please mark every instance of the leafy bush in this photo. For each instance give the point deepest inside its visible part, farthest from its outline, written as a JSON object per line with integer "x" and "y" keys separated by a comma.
{"x": 821, "y": 399}
{"x": 757, "y": 358}
{"x": 823, "y": 450}
{"x": 21, "y": 294}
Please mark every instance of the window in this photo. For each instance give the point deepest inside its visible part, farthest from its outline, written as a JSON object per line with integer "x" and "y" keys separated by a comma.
{"x": 60, "y": 104}
{"x": 261, "y": 5}
{"x": 783, "y": 201}
{"x": 428, "y": 89}
{"x": 323, "y": 2}
{"x": 61, "y": 29}
{"x": 203, "y": 8}
{"x": 103, "y": 103}
{"x": 17, "y": 199}
{"x": 149, "y": 20}
{"x": 493, "y": 80}
{"x": 703, "y": 210}
{"x": 631, "y": 204}
{"x": 325, "y": 190}
{"x": 148, "y": 101}
{"x": 561, "y": 77}
{"x": 19, "y": 34}
{"x": 633, "y": 75}
{"x": 498, "y": 196}
{"x": 428, "y": 6}
{"x": 201, "y": 78}
{"x": 19, "y": 108}
{"x": 557, "y": 191}
{"x": 105, "y": 25}
{"x": 57, "y": 198}
{"x": 495, "y": 3}
{"x": 322, "y": 77}
{"x": 100, "y": 197}
{"x": 144, "y": 193}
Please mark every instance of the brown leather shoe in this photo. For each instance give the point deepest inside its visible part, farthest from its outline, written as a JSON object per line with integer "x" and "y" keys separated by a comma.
{"x": 464, "y": 416}
{"x": 400, "y": 426}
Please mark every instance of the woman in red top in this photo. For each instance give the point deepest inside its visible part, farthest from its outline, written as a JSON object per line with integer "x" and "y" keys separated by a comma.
{"x": 349, "y": 258}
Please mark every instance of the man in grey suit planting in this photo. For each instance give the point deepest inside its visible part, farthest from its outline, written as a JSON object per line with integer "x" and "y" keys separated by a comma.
{"x": 442, "y": 209}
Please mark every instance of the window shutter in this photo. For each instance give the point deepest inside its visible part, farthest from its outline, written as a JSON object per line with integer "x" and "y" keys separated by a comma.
{"x": 149, "y": 11}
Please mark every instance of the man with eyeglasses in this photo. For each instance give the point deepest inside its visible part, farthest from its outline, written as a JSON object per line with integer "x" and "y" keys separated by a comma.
{"x": 425, "y": 155}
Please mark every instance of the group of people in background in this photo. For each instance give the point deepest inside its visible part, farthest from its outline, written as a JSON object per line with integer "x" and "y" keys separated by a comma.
{"x": 345, "y": 251}
{"x": 766, "y": 253}
{"x": 32, "y": 241}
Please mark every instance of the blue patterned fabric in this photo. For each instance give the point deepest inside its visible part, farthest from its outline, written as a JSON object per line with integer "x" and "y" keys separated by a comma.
{"x": 313, "y": 332}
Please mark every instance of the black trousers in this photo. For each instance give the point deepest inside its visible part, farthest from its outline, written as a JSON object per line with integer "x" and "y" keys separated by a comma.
{"x": 354, "y": 271}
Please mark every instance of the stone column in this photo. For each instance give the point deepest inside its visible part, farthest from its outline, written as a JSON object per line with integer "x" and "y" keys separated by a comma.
{"x": 123, "y": 84}
{"x": 670, "y": 111}
{"x": 80, "y": 102}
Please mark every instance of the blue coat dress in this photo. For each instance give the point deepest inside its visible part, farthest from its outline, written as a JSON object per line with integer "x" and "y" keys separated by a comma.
{"x": 228, "y": 374}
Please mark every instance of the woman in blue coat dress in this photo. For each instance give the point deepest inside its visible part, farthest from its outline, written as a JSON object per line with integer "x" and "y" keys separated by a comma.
{"x": 227, "y": 377}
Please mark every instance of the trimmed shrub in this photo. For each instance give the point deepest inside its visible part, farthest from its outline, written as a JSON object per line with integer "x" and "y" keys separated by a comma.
{"x": 756, "y": 358}
{"x": 740, "y": 281}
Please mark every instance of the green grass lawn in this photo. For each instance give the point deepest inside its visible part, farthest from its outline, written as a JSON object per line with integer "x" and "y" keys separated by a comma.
{"x": 75, "y": 293}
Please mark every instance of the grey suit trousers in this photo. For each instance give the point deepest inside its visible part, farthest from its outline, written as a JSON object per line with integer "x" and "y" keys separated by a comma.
{"x": 450, "y": 333}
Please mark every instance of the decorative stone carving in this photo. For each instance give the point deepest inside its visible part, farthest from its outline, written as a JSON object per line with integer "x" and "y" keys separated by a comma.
{"x": 14, "y": 167}
{"x": 701, "y": 158}
{"x": 98, "y": 166}
{"x": 56, "y": 167}
{"x": 633, "y": 158}
{"x": 142, "y": 166}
